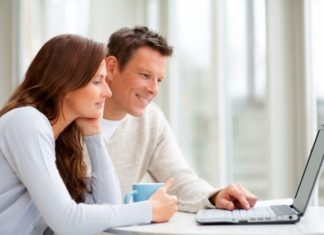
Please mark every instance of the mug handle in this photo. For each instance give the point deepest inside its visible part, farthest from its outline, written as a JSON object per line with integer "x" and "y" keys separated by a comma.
{"x": 128, "y": 196}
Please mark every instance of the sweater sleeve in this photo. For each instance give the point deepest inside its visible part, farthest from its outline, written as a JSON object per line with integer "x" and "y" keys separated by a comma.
{"x": 167, "y": 161}
{"x": 104, "y": 181}
{"x": 30, "y": 151}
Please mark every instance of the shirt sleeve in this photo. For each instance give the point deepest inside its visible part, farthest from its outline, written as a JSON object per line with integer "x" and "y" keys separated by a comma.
{"x": 30, "y": 151}
{"x": 104, "y": 181}
{"x": 167, "y": 161}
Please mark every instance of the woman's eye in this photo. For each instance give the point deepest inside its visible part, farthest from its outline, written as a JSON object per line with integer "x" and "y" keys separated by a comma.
{"x": 96, "y": 82}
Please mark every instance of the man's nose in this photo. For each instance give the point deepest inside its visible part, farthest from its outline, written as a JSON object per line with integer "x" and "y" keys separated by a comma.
{"x": 107, "y": 91}
{"x": 154, "y": 86}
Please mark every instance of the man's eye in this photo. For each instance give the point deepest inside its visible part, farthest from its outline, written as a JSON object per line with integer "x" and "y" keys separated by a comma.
{"x": 144, "y": 75}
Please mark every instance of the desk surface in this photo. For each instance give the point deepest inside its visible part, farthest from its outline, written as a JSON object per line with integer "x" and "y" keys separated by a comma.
{"x": 184, "y": 223}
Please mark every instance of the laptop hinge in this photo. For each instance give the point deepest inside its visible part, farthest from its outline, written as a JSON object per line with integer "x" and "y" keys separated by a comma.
{"x": 295, "y": 209}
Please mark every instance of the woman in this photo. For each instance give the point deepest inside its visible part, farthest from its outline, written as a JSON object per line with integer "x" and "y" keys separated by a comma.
{"x": 43, "y": 126}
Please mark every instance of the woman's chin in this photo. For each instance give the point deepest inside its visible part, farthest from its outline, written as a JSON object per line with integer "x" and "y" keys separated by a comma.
{"x": 98, "y": 115}
{"x": 94, "y": 115}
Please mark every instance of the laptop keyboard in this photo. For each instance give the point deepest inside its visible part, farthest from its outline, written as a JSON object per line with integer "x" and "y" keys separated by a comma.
{"x": 256, "y": 214}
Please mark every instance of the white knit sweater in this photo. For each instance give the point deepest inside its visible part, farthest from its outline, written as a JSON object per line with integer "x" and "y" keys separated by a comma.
{"x": 142, "y": 145}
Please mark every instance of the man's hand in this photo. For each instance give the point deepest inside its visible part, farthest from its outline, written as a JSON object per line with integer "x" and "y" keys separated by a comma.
{"x": 234, "y": 196}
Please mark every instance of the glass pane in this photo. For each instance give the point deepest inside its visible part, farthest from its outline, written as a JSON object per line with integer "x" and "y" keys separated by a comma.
{"x": 245, "y": 51}
{"x": 192, "y": 43}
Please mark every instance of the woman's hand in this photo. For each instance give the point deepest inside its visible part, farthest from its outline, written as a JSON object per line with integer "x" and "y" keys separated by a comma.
{"x": 88, "y": 126}
{"x": 163, "y": 204}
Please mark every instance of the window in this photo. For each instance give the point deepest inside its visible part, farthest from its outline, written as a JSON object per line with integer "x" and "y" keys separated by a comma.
{"x": 192, "y": 99}
{"x": 196, "y": 89}
{"x": 234, "y": 83}
{"x": 40, "y": 20}
{"x": 246, "y": 106}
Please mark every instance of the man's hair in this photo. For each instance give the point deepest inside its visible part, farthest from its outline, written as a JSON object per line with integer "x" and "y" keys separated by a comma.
{"x": 65, "y": 63}
{"x": 125, "y": 41}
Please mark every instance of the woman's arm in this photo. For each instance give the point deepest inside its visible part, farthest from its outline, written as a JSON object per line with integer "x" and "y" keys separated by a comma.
{"x": 104, "y": 181}
{"x": 29, "y": 148}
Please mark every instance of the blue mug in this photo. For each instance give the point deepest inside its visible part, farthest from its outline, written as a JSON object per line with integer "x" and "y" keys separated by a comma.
{"x": 141, "y": 191}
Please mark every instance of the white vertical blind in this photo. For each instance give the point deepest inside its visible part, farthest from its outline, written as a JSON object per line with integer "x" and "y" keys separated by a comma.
{"x": 282, "y": 105}
{"x": 316, "y": 17}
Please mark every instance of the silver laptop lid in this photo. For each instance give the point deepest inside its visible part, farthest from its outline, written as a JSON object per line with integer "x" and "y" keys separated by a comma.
{"x": 310, "y": 174}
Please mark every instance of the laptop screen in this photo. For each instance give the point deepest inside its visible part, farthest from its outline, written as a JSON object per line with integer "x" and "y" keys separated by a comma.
{"x": 310, "y": 174}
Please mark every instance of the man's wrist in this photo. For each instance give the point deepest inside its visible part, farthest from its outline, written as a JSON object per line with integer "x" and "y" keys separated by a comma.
{"x": 212, "y": 199}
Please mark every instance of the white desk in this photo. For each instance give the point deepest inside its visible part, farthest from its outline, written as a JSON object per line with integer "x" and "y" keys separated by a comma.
{"x": 184, "y": 223}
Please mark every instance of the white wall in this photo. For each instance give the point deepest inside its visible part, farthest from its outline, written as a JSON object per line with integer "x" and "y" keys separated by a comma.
{"x": 6, "y": 43}
{"x": 105, "y": 16}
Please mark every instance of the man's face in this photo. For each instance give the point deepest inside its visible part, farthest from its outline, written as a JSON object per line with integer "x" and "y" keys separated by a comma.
{"x": 134, "y": 87}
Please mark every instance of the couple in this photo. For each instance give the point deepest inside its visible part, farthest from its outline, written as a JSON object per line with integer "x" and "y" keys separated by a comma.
{"x": 57, "y": 112}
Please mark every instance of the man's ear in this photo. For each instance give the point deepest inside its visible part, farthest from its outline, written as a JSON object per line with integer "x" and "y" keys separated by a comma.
{"x": 112, "y": 66}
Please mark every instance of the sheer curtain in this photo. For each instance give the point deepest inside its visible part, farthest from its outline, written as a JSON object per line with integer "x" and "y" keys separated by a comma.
{"x": 40, "y": 20}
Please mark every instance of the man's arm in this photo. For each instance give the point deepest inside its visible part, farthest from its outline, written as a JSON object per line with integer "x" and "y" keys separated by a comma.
{"x": 193, "y": 192}
{"x": 167, "y": 162}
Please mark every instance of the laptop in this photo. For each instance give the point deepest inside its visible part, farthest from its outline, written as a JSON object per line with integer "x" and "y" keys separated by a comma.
{"x": 274, "y": 214}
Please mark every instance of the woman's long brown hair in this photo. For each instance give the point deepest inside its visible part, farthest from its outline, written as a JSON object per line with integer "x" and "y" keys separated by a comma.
{"x": 65, "y": 63}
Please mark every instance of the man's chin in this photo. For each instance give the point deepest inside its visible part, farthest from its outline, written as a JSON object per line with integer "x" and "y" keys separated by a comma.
{"x": 137, "y": 112}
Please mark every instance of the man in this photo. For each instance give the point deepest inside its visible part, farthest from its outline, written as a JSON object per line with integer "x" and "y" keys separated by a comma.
{"x": 138, "y": 136}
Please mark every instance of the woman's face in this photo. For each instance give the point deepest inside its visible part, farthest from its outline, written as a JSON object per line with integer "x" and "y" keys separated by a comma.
{"x": 88, "y": 101}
